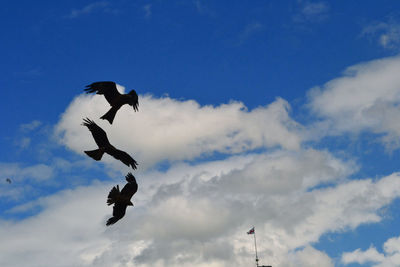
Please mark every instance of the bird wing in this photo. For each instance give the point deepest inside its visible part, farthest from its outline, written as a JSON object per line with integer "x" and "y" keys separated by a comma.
{"x": 119, "y": 210}
{"x": 99, "y": 135}
{"x": 130, "y": 188}
{"x": 118, "y": 213}
{"x": 113, "y": 195}
{"x": 124, "y": 157}
{"x": 108, "y": 89}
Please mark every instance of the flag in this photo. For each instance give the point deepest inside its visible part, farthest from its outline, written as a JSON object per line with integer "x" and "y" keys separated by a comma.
{"x": 251, "y": 231}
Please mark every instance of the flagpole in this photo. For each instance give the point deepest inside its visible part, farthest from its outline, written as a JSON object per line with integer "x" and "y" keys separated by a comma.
{"x": 255, "y": 245}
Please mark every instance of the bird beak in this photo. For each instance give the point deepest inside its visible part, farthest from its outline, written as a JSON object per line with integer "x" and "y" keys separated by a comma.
{"x": 130, "y": 203}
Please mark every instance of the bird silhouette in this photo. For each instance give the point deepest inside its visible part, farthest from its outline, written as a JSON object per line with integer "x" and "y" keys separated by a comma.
{"x": 121, "y": 199}
{"x": 8, "y": 180}
{"x": 114, "y": 98}
{"x": 100, "y": 137}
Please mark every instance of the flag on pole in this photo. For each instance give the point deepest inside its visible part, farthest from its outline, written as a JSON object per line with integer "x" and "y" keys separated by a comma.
{"x": 251, "y": 231}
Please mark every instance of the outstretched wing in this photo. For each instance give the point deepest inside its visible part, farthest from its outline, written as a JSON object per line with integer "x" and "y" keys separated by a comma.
{"x": 113, "y": 195}
{"x": 99, "y": 135}
{"x": 108, "y": 89}
{"x": 118, "y": 213}
{"x": 130, "y": 188}
{"x": 124, "y": 157}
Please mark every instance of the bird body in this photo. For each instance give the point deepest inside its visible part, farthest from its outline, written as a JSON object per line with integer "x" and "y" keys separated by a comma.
{"x": 113, "y": 97}
{"x": 100, "y": 137}
{"x": 121, "y": 199}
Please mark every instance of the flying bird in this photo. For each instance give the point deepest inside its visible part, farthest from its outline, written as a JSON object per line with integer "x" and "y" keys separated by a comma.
{"x": 114, "y": 98}
{"x": 8, "y": 180}
{"x": 100, "y": 137}
{"x": 121, "y": 199}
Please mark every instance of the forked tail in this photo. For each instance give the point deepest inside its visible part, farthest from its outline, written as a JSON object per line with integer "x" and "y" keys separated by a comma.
{"x": 110, "y": 115}
{"x": 96, "y": 154}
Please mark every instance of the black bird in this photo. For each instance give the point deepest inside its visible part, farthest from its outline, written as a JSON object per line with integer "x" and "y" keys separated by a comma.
{"x": 8, "y": 180}
{"x": 114, "y": 98}
{"x": 100, "y": 137}
{"x": 122, "y": 199}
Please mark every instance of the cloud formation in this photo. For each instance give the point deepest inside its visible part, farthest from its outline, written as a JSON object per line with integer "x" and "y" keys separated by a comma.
{"x": 389, "y": 258}
{"x": 387, "y": 34}
{"x": 166, "y": 129}
{"x": 38, "y": 172}
{"x": 199, "y": 214}
{"x": 365, "y": 98}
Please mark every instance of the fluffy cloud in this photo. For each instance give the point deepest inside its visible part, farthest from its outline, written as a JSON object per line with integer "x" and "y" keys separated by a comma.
{"x": 199, "y": 214}
{"x": 389, "y": 258}
{"x": 309, "y": 257}
{"x": 366, "y": 98}
{"x": 22, "y": 178}
{"x": 62, "y": 230}
{"x": 168, "y": 129}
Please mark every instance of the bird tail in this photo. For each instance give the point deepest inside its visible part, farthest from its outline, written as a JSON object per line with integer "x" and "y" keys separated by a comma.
{"x": 96, "y": 154}
{"x": 110, "y": 115}
{"x": 111, "y": 221}
{"x": 113, "y": 195}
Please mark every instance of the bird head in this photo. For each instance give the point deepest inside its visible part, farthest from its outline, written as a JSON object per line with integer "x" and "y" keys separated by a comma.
{"x": 133, "y": 93}
{"x": 133, "y": 100}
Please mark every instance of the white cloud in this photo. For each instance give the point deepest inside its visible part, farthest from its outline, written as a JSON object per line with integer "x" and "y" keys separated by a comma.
{"x": 362, "y": 257}
{"x": 62, "y": 231}
{"x": 365, "y": 98}
{"x": 387, "y": 34}
{"x": 38, "y": 172}
{"x": 389, "y": 258}
{"x": 168, "y": 129}
{"x": 21, "y": 178}
{"x": 199, "y": 213}
{"x": 309, "y": 257}
{"x": 193, "y": 214}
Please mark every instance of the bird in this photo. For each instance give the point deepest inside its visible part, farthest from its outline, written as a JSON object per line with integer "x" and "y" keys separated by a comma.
{"x": 121, "y": 199}
{"x": 8, "y": 180}
{"x": 113, "y": 97}
{"x": 100, "y": 137}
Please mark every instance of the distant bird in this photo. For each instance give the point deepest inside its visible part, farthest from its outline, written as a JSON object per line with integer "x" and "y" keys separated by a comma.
{"x": 114, "y": 98}
{"x": 8, "y": 180}
{"x": 121, "y": 199}
{"x": 100, "y": 137}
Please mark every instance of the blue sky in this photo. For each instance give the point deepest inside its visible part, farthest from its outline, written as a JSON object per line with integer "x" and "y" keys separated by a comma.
{"x": 277, "y": 114}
